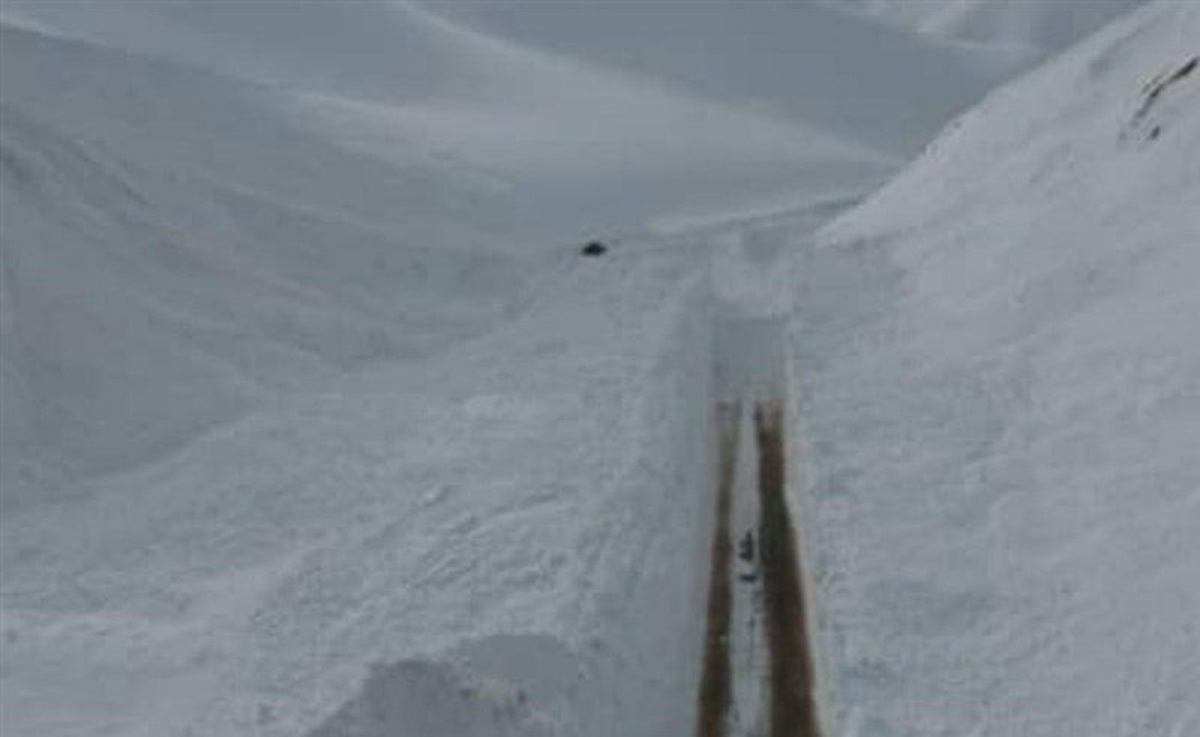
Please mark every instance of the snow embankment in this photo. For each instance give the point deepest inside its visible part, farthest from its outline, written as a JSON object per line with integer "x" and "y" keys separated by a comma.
{"x": 510, "y": 535}
{"x": 998, "y": 382}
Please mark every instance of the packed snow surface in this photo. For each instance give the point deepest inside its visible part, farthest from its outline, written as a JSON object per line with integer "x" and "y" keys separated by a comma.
{"x": 315, "y": 424}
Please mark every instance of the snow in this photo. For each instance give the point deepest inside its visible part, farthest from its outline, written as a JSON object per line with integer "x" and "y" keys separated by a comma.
{"x": 201, "y": 213}
{"x": 585, "y": 146}
{"x": 996, "y": 373}
{"x": 315, "y": 423}
{"x": 513, "y": 487}
{"x": 794, "y": 62}
{"x": 156, "y": 283}
{"x": 1012, "y": 27}
{"x": 289, "y": 426}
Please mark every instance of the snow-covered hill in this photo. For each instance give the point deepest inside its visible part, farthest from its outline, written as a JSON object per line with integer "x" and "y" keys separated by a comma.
{"x": 801, "y": 61}
{"x": 176, "y": 249}
{"x": 1015, "y": 27}
{"x": 587, "y": 145}
{"x": 180, "y": 243}
{"x": 998, "y": 379}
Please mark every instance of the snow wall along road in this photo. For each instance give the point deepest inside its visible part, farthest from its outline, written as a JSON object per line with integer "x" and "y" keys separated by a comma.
{"x": 631, "y": 334}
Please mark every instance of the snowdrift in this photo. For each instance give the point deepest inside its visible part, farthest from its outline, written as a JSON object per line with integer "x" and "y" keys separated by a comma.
{"x": 806, "y": 63}
{"x": 584, "y": 146}
{"x": 996, "y": 374}
{"x": 176, "y": 250}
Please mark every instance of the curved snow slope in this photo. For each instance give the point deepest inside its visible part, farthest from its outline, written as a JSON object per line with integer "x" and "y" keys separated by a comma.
{"x": 998, "y": 379}
{"x": 1024, "y": 27}
{"x": 589, "y": 147}
{"x": 364, "y": 49}
{"x": 802, "y": 62}
{"x": 175, "y": 249}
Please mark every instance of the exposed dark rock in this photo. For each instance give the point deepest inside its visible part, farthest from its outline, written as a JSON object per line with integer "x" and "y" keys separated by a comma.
{"x": 594, "y": 248}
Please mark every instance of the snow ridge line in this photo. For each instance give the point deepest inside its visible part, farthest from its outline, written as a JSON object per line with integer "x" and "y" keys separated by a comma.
{"x": 716, "y": 683}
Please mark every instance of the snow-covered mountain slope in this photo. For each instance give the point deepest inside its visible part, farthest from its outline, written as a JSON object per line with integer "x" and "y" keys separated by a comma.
{"x": 205, "y": 203}
{"x": 1018, "y": 27}
{"x": 799, "y": 61}
{"x": 176, "y": 248}
{"x": 997, "y": 374}
{"x": 802, "y": 64}
{"x": 588, "y": 146}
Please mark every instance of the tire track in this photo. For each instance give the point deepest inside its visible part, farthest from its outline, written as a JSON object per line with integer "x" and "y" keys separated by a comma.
{"x": 716, "y": 686}
{"x": 792, "y": 706}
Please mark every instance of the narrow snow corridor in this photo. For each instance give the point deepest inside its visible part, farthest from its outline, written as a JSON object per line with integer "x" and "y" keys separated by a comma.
{"x": 757, "y": 673}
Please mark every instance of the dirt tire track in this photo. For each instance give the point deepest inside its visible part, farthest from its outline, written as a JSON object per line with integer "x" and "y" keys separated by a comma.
{"x": 716, "y": 682}
{"x": 792, "y": 705}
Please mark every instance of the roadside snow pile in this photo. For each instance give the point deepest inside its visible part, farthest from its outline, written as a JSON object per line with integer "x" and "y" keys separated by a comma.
{"x": 509, "y": 536}
{"x": 998, "y": 384}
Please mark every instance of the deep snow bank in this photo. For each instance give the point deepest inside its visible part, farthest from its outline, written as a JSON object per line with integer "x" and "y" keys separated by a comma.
{"x": 506, "y": 536}
{"x": 996, "y": 375}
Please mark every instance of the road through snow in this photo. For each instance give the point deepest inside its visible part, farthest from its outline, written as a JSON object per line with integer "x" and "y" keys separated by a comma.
{"x": 792, "y": 700}
{"x": 757, "y": 674}
{"x": 715, "y": 675}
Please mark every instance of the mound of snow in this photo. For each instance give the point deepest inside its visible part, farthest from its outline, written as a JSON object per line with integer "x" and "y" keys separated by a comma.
{"x": 506, "y": 536}
{"x": 998, "y": 380}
